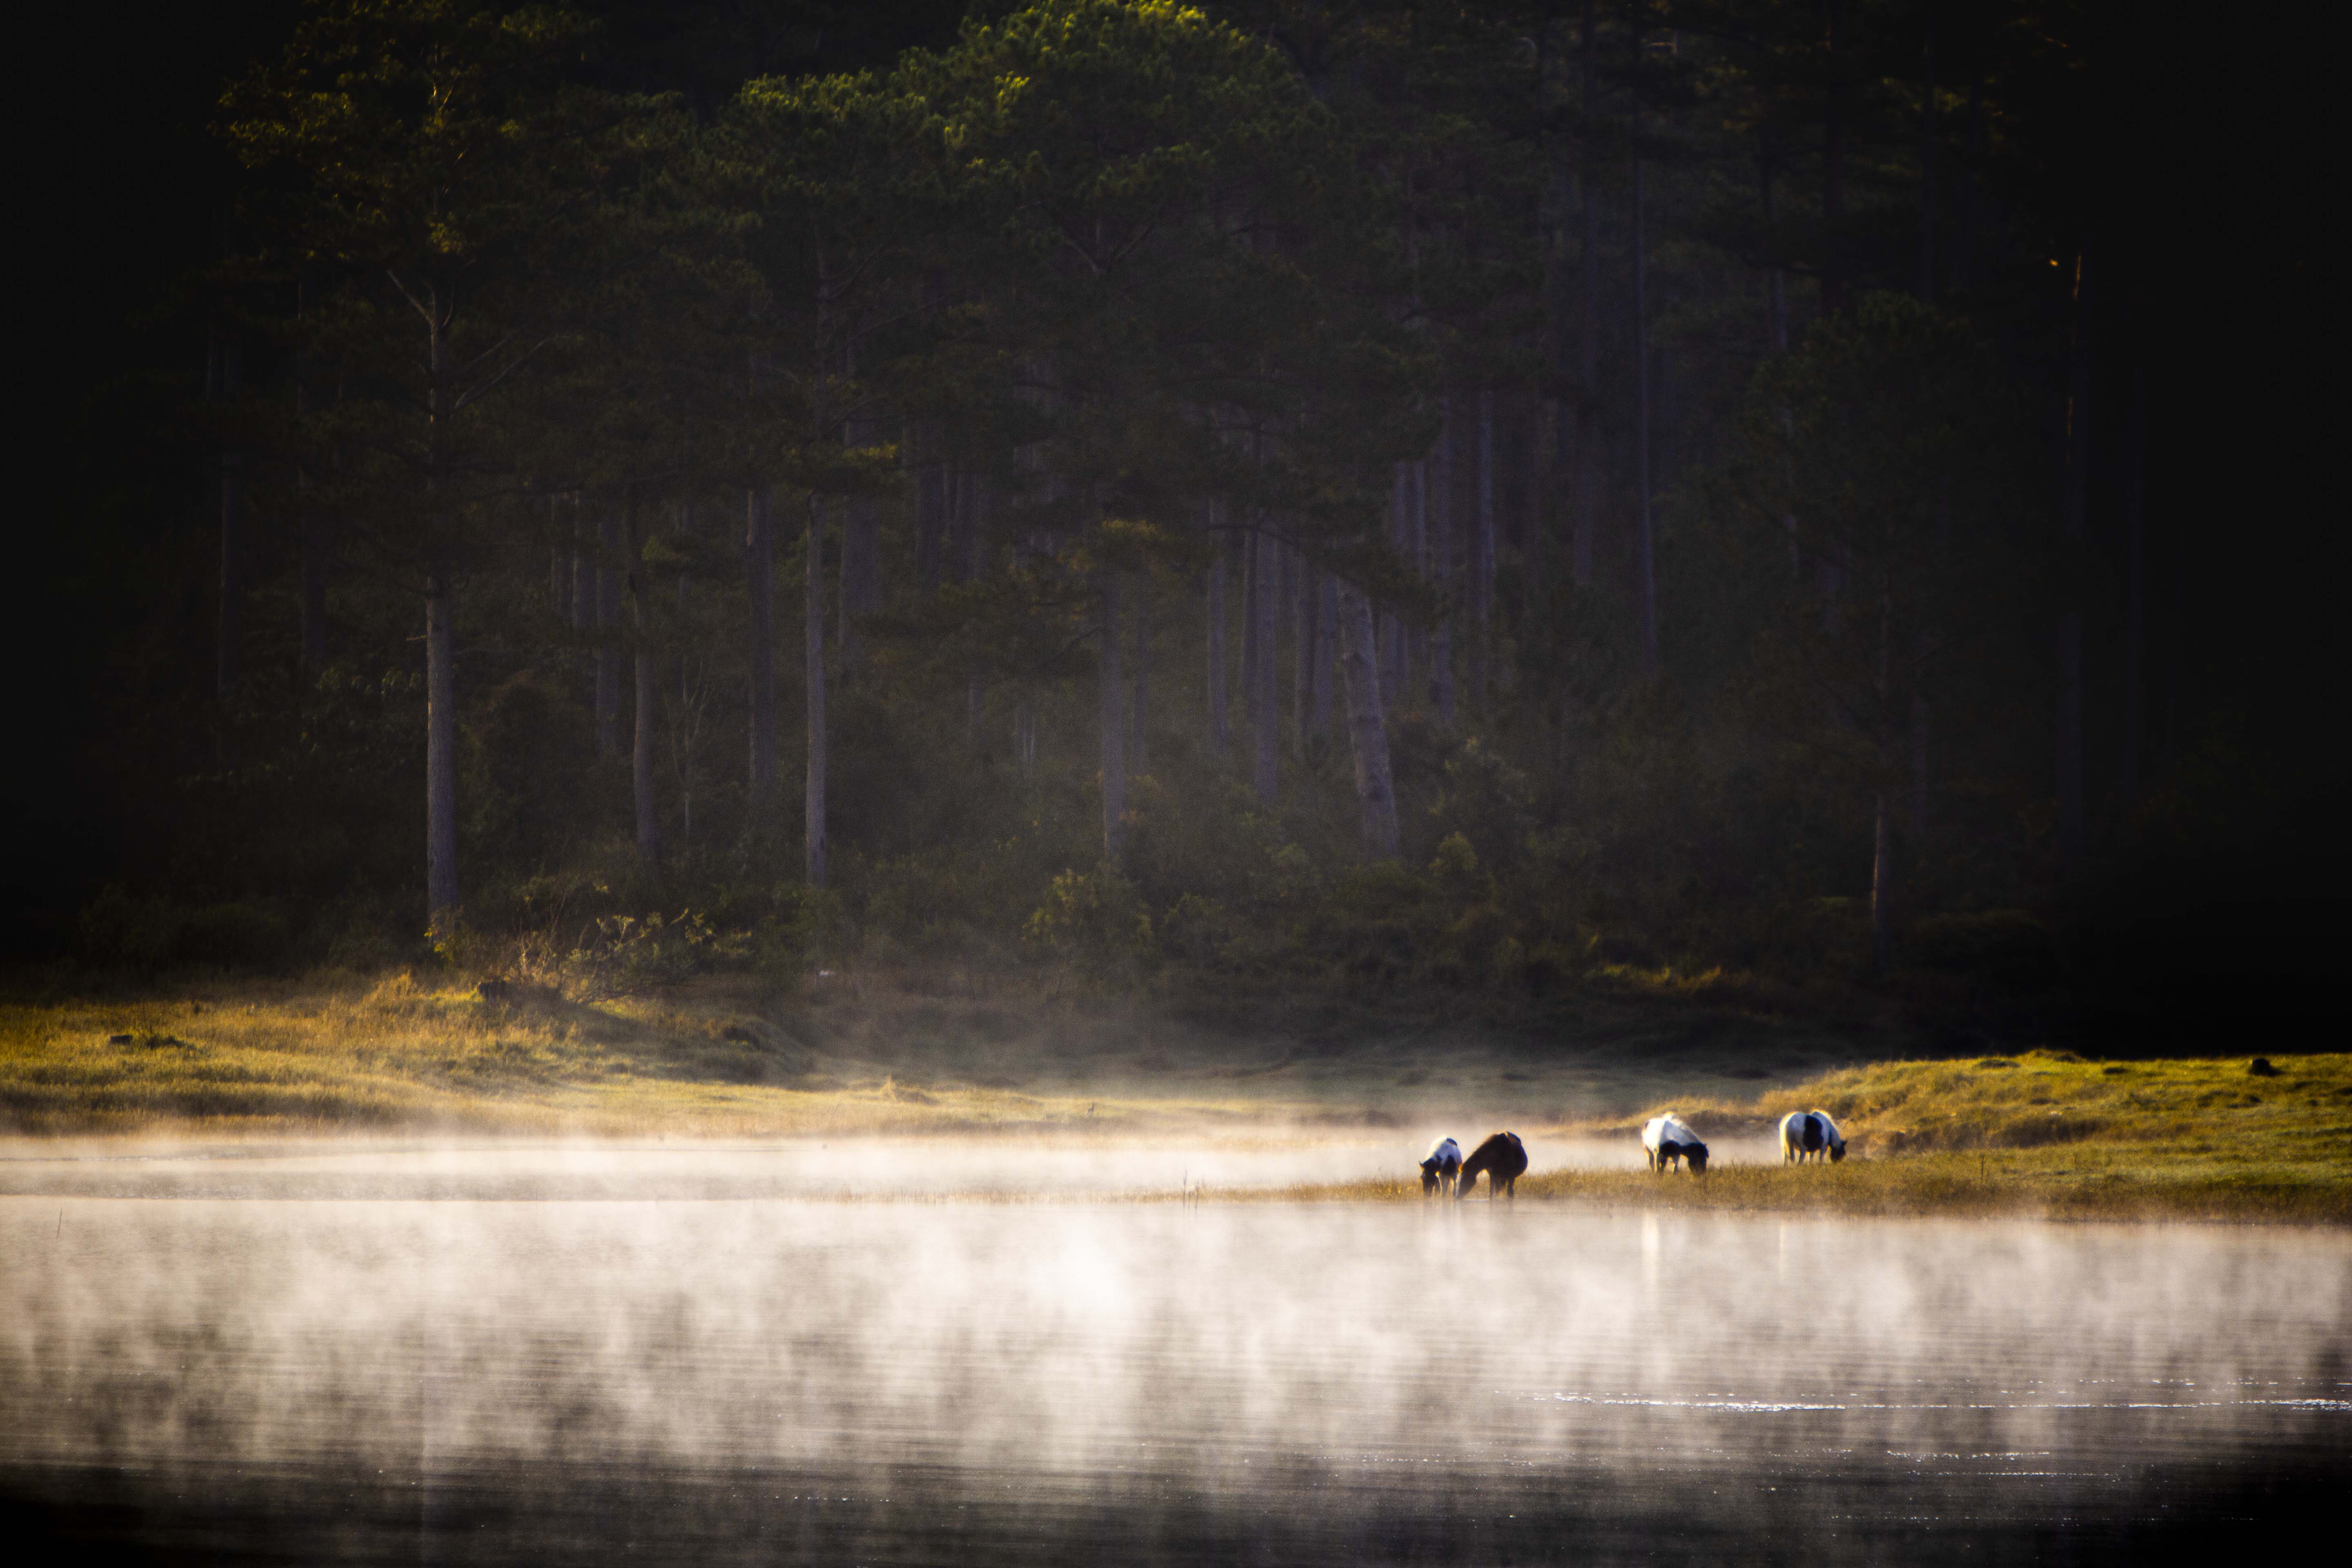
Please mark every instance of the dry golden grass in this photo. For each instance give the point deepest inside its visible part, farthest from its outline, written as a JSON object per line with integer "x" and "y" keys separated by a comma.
{"x": 2042, "y": 1098}
{"x": 863, "y": 1052}
{"x": 328, "y": 1053}
{"x": 2038, "y": 1133}
{"x": 2041, "y": 1134}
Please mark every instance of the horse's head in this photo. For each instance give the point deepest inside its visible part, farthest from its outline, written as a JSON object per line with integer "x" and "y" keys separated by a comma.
{"x": 1697, "y": 1154}
{"x": 1837, "y": 1152}
{"x": 1428, "y": 1176}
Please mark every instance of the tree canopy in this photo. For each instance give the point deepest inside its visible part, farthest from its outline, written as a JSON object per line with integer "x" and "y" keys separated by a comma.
{"x": 1468, "y": 494}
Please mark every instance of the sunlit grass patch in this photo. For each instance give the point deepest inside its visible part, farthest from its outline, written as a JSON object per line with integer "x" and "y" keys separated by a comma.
{"x": 2041, "y": 1134}
{"x": 328, "y": 1053}
{"x": 2044, "y": 1098}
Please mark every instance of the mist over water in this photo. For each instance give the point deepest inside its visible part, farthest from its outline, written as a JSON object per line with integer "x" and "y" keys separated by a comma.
{"x": 856, "y": 1167}
{"x": 750, "y": 1378}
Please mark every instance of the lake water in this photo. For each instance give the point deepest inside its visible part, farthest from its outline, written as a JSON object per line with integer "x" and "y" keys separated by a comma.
{"x": 297, "y": 1372}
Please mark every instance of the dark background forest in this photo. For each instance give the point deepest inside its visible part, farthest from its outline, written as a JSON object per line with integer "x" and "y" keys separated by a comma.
{"x": 1769, "y": 500}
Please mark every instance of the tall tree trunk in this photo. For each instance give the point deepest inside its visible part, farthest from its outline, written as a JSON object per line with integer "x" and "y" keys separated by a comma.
{"x": 970, "y": 513}
{"x": 930, "y": 522}
{"x": 1588, "y": 342}
{"x": 313, "y": 545}
{"x": 608, "y": 625}
{"x": 1881, "y": 841}
{"x": 1250, "y": 579}
{"x": 1649, "y": 561}
{"x": 1217, "y": 728}
{"x": 859, "y": 583}
{"x": 1309, "y": 597}
{"x": 1833, "y": 289}
{"x": 1391, "y": 633}
{"x": 228, "y": 672}
{"x": 1327, "y": 627}
{"x": 1264, "y": 702}
{"x": 2176, "y": 673}
{"x": 1111, "y": 693}
{"x": 583, "y": 574}
{"x": 759, "y": 579}
{"x": 1482, "y": 557}
{"x": 1557, "y": 409}
{"x": 641, "y": 746}
{"x": 1882, "y": 872}
{"x": 1918, "y": 766}
{"x": 1928, "y": 166}
{"x": 1137, "y": 752}
{"x": 440, "y": 756}
{"x": 2136, "y": 606}
{"x": 2071, "y": 826}
{"x": 1415, "y": 656}
{"x": 1439, "y": 563}
{"x": 1776, "y": 292}
{"x": 812, "y": 676}
{"x": 1778, "y": 317}
{"x": 1367, "y": 735}
{"x": 317, "y": 548}
{"x": 1299, "y": 610}
{"x": 1965, "y": 190}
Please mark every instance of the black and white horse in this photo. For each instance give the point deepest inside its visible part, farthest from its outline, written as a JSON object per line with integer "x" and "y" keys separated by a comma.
{"x": 1443, "y": 1164}
{"x": 1504, "y": 1159}
{"x": 1667, "y": 1142}
{"x": 1810, "y": 1135}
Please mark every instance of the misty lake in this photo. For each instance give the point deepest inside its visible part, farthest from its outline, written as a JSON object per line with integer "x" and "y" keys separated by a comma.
{"x": 705, "y": 1356}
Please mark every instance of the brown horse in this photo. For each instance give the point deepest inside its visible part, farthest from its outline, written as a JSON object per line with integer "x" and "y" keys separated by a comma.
{"x": 1504, "y": 1159}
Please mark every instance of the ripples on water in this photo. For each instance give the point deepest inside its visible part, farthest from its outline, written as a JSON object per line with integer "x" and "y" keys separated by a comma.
{"x": 762, "y": 1380}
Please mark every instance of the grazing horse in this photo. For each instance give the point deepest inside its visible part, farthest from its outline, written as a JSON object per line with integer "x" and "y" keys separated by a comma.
{"x": 1667, "y": 1142}
{"x": 1443, "y": 1164}
{"x": 1504, "y": 1159}
{"x": 1810, "y": 1133}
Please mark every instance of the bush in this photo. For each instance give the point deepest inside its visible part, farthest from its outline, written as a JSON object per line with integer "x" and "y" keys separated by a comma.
{"x": 1095, "y": 918}
{"x": 149, "y": 933}
{"x": 1201, "y": 930}
{"x": 2005, "y": 947}
{"x": 232, "y": 935}
{"x": 621, "y": 954}
{"x": 117, "y": 928}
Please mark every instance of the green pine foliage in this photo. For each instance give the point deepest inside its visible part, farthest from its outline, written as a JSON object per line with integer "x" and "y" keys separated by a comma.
{"x": 1062, "y": 309}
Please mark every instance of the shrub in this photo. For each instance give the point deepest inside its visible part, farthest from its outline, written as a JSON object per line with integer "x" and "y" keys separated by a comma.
{"x": 1201, "y": 930}
{"x": 621, "y": 954}
{"x": 1095, "y": 918}
{"x": 232, "y": 935}
{"x": 2003, "y": 946}
{"x": 117, "y": 928}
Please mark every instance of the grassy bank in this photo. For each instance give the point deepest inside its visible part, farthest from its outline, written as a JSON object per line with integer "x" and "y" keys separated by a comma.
{"x": 2036, "y": 1133}
{"x": 873, "y": 1052}
{"x": 2041, "y": 1134}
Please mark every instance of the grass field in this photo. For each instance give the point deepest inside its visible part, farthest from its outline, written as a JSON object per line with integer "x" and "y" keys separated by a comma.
{"x": 2040, "y": 1132}
{"x": 866, "y": 1053}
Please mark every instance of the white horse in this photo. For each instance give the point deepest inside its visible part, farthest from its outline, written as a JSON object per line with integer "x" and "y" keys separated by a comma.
{"x": 1444, "y": 1164}
{"x": 1668, "y": 1142}
{"x": 1810, "y": 1135}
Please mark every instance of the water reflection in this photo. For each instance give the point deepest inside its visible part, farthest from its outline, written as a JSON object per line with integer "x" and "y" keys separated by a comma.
{"x": 505, "y": 1381}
